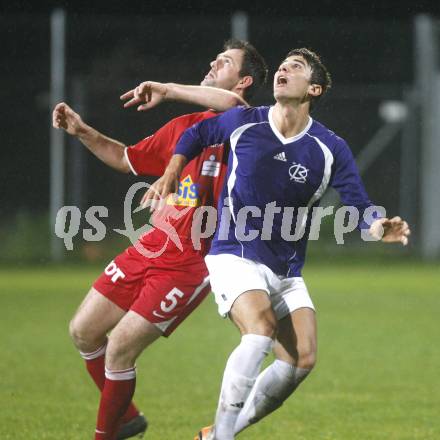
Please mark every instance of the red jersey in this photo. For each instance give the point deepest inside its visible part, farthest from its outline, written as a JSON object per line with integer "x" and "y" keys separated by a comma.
{"x": 201, "y": 180}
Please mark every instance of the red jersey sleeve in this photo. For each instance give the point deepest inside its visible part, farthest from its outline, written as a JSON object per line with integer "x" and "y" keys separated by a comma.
{"x": 151, "y": 155}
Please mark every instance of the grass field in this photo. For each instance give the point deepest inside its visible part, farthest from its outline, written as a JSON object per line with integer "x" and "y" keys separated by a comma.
{"x": 377, "y": 375}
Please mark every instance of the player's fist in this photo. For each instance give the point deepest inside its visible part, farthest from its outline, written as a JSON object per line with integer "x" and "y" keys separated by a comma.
{"x": 393, "y": 230}
{"x": 64, "y": 117}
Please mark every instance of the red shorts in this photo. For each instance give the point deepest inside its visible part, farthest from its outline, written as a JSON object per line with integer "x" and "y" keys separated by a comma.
{"x": 164, "y": 290}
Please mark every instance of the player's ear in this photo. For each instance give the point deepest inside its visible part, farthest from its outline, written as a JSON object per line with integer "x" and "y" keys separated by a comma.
{"x": 245, "y": 82}
{"x": 315, "y": 90}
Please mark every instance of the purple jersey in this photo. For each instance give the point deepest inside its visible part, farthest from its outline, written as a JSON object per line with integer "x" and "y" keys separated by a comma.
{"x": 276, "y": 181}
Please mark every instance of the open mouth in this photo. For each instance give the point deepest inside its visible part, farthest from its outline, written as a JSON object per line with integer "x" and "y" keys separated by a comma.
{"x": 281, "y": 80}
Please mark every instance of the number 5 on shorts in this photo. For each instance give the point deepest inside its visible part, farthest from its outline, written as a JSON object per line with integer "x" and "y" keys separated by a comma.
{"x": 171, "y": 296}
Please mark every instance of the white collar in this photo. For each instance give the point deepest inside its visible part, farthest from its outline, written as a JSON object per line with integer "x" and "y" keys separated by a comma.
{"x": 282, "y": 139}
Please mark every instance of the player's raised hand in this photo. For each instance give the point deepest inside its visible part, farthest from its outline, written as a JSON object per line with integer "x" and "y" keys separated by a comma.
{"x": 156, "y": 195}
{"x": 147, "y": 94}
{"x": 64, "y": 117}
{"x": 393, "y": 230}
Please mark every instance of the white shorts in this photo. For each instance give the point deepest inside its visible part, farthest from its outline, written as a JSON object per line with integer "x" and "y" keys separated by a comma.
{"x": 231, "y": 276}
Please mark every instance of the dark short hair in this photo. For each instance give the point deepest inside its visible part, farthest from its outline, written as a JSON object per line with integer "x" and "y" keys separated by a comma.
{"x": 320, "y": 74}
{"x": 253, "y": 65}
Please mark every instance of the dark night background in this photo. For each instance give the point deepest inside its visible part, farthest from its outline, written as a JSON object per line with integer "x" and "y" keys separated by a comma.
{"x": 327, "y": 8}
{"x": 111, "y": 47}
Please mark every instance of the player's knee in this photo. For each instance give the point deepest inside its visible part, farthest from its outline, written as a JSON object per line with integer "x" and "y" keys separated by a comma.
{"x": 83, "y": 337}
{"x": 113, "y": 354}
{"x": 268, "y": 328}
{"x": 264, "y": 324}
{"x": 76, "y": 333}
{"x": 306, "y": 357}
{"x": 118, "y": 356}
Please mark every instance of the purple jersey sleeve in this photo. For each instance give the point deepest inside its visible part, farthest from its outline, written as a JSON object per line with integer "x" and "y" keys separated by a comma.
{"x": 347, "y": 181}
{"x": 208, "y": 132}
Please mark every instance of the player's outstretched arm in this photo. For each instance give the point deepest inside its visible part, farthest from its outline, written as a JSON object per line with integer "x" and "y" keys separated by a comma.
{"x": 149, "y": 94}
{"x": 108, "y": 150}
{"x": 393, "y": 230}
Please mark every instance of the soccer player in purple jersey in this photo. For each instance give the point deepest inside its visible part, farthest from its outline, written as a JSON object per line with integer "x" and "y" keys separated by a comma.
{"x": 280, "y": 159}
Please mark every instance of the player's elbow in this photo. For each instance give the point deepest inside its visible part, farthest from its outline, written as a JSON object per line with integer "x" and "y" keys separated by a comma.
{"x": 123, "y": 166}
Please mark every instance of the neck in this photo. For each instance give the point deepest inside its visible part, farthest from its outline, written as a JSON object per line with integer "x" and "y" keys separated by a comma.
{"x": 290, "y": 120}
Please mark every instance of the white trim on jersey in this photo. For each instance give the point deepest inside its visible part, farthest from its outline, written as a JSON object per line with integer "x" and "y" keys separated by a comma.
{"x": 281, "y": 138}
{"x": 328, "y": 159}
{"x": 235, "y": 136}
{"x": 129, "y": 163}
{"x": 289, "y": 260}
{"x": 328, "y": 162}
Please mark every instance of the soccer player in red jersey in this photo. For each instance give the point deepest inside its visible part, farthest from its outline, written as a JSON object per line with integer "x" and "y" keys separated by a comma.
{"x": 143, "y": 298}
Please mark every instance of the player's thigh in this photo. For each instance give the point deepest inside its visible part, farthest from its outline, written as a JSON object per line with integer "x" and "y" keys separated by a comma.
{"x": 241, "y": 290}
{"x": 128, "y": 339}
{"x": 112, "y": 294}
{"x": 95, "y": 316}
{"x": 297, "y": 338}
{"x": 169, "y": 296}
{"x": 122, "y": 279}
{"x": 252, "y": 313}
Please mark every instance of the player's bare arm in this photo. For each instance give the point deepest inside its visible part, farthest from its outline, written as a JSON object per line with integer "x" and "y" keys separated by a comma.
{"x": 393, "y": 230}
{"x": 165, "y": 185}
{"x": 109, "y": 151}
{"x": 149, "y": 94}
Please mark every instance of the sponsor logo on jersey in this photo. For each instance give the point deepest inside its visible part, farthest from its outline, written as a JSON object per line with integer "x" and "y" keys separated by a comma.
{"x": 211, "y": 167}
{"x": 281, "y": 156}
{"x": 187, "y": 195}
{"x": 298, "y": 173}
